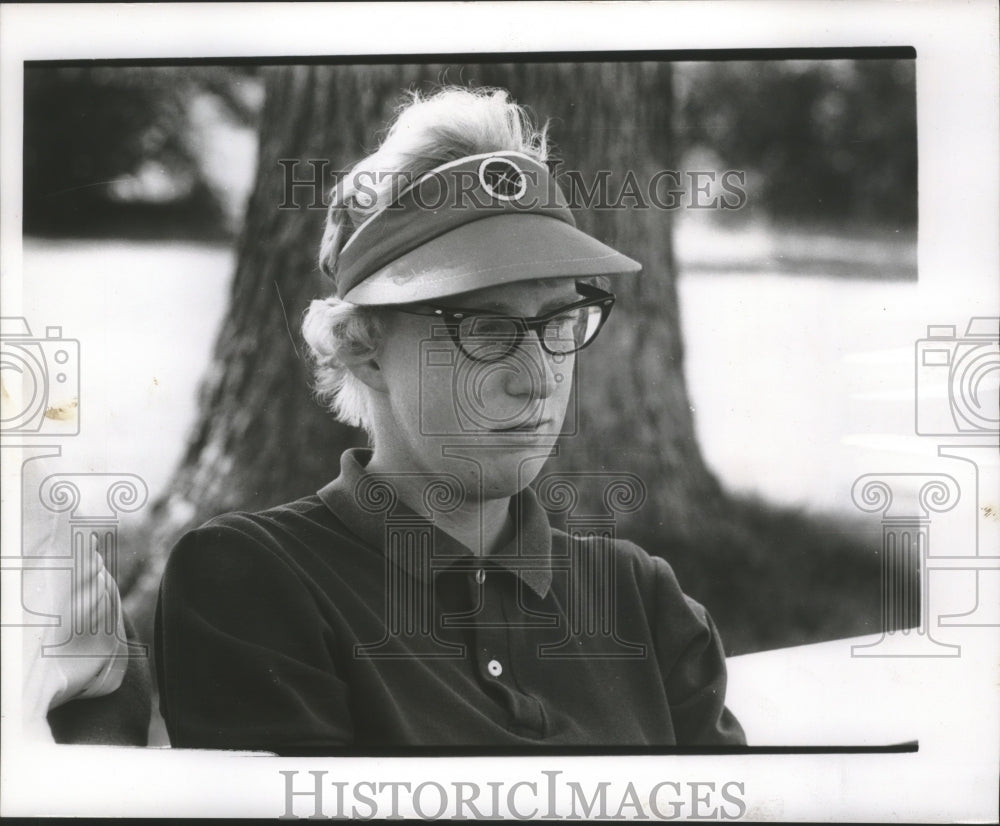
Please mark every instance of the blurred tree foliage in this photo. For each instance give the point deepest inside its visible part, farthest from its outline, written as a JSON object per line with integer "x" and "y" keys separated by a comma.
{"x": 89, "y": 130}
{"x": 822, "y": 142}
{"x": 832, "y": 142}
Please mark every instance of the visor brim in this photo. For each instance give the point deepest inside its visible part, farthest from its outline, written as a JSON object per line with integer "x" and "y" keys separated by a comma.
{"x": 502, "y": 249}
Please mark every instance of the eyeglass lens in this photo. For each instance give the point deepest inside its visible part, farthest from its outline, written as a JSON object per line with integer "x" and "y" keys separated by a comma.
{"x": 488, "y": 337}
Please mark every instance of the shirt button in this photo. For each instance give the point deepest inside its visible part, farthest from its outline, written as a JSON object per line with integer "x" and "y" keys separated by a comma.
{"x": 480, "y": 576}
{"x": 494, "y": 668}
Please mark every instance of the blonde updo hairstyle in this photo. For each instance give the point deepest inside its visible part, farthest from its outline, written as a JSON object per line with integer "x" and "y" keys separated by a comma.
{"x": 427, "y": 132}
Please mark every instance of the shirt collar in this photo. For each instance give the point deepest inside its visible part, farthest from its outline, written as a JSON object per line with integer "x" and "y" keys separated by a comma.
{"x": 528, "y": 555}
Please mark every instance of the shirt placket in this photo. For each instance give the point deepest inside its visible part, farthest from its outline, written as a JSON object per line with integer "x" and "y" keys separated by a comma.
{"x": 493, "y": 593}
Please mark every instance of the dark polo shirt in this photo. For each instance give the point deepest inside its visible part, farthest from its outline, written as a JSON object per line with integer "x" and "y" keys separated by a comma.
{"x": 346, "y": 621}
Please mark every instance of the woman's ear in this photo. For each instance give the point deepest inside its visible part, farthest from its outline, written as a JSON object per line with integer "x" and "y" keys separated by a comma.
{"x": 365, "y": 367}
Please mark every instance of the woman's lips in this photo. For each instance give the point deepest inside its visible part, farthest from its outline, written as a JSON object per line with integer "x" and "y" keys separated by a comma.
{"x": 524, "y": 427}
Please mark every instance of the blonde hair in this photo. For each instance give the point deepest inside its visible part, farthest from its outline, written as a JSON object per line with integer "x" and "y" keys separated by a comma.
{"x": 452, "y": 123}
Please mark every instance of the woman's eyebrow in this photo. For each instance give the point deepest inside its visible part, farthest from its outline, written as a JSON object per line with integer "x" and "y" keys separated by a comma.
{"x": 507, "y": 309}
{"x": 556, "y": 303}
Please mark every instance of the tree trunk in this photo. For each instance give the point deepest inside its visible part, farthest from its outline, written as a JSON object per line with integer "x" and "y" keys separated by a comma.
{"x": 261, "y": 439}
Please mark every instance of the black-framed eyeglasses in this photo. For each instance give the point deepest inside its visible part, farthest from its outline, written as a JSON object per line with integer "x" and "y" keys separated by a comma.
{"x": 483, "y": 335}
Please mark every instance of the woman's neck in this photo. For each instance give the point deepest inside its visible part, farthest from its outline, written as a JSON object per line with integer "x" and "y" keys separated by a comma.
{"x": 482, "y": 525}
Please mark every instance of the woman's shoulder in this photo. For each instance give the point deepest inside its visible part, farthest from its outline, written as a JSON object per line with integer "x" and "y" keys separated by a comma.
{"x": 648, "y": 576}
{"x": 303, "y": 511}
{"x": 629, "y": 557}
{"x": 286, "y": 534}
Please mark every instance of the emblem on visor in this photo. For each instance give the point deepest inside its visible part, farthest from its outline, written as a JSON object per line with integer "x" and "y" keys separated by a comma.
{"x": 502, "y": 179}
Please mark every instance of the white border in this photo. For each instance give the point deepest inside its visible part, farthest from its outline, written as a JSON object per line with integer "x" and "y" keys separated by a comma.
{"x": 954, "y": 775}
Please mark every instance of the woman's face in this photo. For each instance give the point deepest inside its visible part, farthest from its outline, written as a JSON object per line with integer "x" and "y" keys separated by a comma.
{"x": 490, "y": 423}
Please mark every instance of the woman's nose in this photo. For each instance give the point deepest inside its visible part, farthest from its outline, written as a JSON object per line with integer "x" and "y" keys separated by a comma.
{"x": 535, "y": 372}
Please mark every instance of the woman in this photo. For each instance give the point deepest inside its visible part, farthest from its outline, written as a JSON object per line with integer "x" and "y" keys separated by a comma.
{"x": 421, "y": 598}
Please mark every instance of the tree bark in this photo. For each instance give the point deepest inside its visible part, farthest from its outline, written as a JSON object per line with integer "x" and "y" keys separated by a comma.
{"x": 261, "y": 439}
